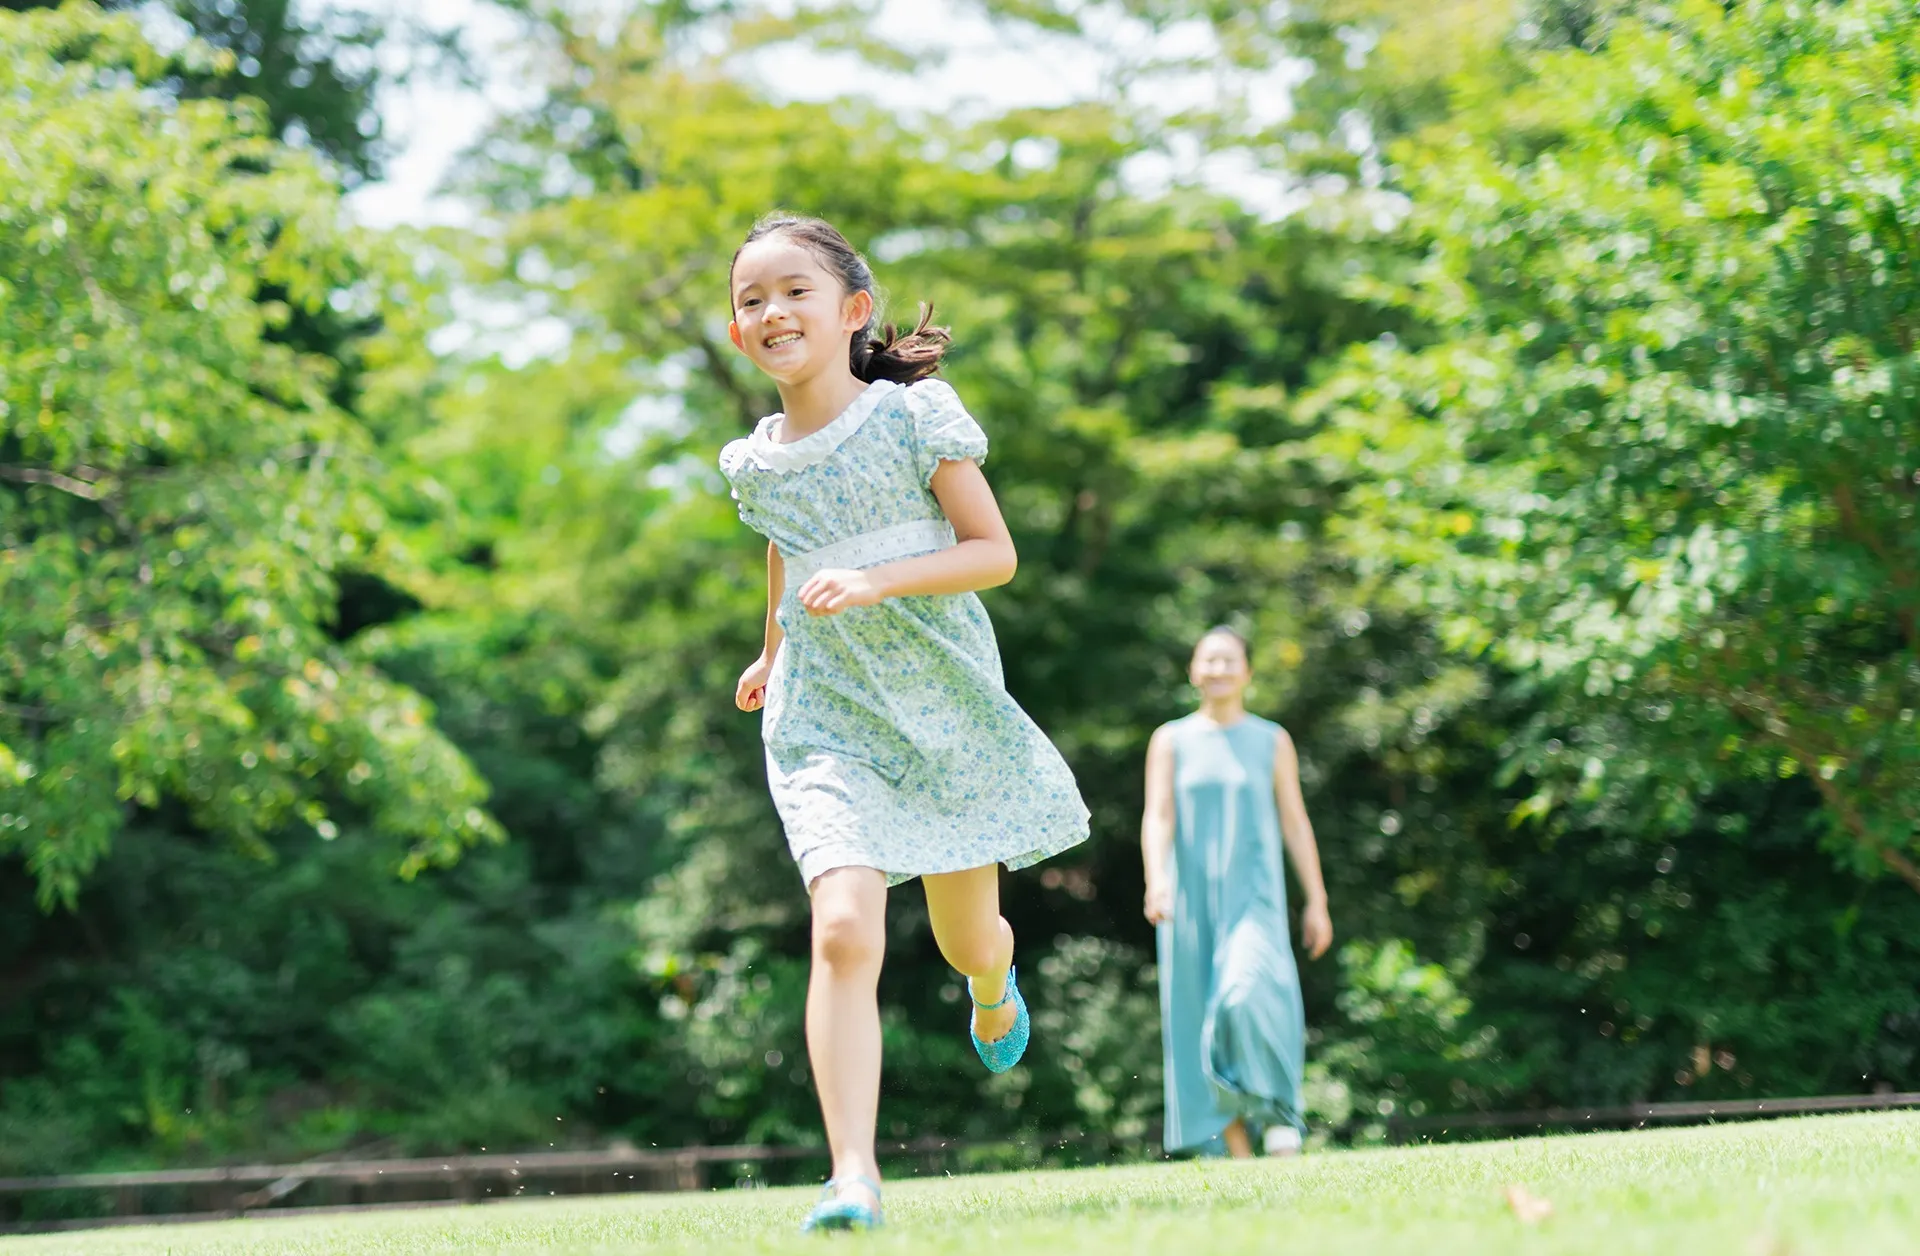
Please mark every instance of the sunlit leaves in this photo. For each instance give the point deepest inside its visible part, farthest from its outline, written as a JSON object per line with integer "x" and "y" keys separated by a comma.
{"x": 1665, "y": 456}
{"x": 176, "y": 491}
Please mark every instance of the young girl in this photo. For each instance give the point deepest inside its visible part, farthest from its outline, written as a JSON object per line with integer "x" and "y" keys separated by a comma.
{"x": 893, "y": 750}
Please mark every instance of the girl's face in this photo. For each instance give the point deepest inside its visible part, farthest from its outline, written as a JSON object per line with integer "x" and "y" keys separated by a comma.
{"x": 790, "y": 314}
{"x": 1219, "y": 668}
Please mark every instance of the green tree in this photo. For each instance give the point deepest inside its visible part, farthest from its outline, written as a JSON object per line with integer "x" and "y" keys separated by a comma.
{"x": 176, "y": 491}
{"x": 1664, "y": 459}
{"x": 316, "y": 76}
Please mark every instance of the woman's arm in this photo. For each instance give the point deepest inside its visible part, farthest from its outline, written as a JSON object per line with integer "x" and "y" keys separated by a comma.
{"x": 983, "y": 558}
{"x": 1316, "y": 926}
{"x": 1156, "y": 828}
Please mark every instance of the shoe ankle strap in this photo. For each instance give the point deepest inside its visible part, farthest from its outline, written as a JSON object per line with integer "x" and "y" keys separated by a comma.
{"x": 1004, "y": 998}
{"x": 854, "y": 1179}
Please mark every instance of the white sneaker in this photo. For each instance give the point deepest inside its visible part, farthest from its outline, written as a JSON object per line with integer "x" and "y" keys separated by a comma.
{"x": 1281, "y": 1140}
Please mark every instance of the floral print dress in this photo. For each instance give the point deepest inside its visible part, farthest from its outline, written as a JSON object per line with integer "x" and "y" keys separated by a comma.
{"x": 891, "y": 741}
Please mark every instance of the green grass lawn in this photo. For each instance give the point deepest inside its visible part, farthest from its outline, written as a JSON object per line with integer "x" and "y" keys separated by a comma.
{"x": 1826, "y": 1184}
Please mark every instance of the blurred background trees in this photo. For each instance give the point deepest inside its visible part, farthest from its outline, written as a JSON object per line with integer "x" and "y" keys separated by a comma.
{"x": 312, "y": 70}
{"x": 1554, "y": 445}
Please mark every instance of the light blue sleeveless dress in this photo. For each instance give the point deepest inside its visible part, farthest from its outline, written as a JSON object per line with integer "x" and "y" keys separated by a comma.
{"x": 1231, "y": 1019}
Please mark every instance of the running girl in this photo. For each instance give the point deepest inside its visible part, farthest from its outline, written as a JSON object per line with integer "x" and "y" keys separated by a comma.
{"x": 893, "y": 750}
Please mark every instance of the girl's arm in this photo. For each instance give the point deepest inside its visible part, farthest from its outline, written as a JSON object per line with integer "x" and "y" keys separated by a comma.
{"x": 750, "y": 694}
{"x": 983, "y": 558}
{"x": 1156, "y": 828}
{"x": 1316, "y": 926}
{"x": 776, "y": 589}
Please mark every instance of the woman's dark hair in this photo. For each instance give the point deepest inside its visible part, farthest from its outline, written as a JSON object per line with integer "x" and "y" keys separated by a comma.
{"x": 888, "y": 354}
{"x": 1226, "y": 630}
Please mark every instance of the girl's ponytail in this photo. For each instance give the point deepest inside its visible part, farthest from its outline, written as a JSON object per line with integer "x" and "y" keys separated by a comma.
{"x": 889, "y": 354}
{"x": 900, "y": 357}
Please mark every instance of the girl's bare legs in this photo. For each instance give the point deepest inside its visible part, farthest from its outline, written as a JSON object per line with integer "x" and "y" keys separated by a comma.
{"x": 1239, "y": 1146}
{"x": 973, "y": 937}
{"x": 843, "y": 1014}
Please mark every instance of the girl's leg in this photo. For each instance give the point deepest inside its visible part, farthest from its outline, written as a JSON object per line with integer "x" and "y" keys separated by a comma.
{"x": 1239, "y": 1146}
{"x": 843, "y": 1012}
{"x": 974, "y": 938}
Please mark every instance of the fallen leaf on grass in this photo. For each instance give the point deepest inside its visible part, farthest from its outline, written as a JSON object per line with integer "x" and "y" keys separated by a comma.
{"x": 1528, "y": 1206}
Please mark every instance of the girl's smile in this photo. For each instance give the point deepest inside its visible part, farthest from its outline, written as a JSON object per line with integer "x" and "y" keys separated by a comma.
{"x": 790, "y": 315}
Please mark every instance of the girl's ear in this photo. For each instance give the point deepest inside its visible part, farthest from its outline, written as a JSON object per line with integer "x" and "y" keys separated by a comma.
{"x": 733, "y": 334}
{"x": 859, "y": 310}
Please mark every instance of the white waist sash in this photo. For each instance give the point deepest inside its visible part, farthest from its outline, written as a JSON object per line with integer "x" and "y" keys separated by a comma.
{"x": 870, "y": 549}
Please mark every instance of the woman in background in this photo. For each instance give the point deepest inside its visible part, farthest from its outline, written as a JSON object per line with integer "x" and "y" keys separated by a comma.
{"x": 1222, "y": 796}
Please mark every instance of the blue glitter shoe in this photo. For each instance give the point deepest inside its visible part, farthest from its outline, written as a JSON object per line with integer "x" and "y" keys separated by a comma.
{"x": 1005, "y": 1051}
{"x": 833, "y": 1213}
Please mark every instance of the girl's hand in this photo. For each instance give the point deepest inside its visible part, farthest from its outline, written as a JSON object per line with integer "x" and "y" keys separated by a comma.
{"x": 1159, "y": 903}
{"x": 834, "y": 590}
{"x": 1316, "y": 929}
{"x": 751, "y": 693}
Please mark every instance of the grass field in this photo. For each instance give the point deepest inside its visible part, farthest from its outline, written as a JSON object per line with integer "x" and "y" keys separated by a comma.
{"x": 1825, "y": 1184}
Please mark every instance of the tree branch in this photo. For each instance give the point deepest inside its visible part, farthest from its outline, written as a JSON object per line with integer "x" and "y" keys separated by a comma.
{"x": 669, "y": 284}
{"x": 1856, "y": 530}
{"x": 1902, "y": 866}
{"x": 105, "y": 308}
{"x": 1761, "y": 713}
{"x": 54, "y": 479}
{"x": 729, "y": 383}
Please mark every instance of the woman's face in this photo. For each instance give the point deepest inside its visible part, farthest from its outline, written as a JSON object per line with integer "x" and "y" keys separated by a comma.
{"x": 790, "y": 315}
{"x": 1219, "y": 668}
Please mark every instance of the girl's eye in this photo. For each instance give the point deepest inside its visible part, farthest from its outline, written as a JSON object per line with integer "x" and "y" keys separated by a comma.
{"x": 798, "y": 292}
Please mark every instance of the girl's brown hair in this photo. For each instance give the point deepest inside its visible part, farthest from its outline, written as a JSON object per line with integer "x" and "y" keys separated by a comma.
{"x": 888, "y": 354}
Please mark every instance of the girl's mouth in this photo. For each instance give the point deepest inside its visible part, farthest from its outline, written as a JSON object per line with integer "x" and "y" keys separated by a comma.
{"x": 782, "y": 340}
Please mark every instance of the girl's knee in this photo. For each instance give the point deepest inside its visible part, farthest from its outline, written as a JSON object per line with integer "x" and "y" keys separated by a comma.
{"x": 979, "y": 952}
{"x": 846, "y": 937}
{"x": 849, "y": 918}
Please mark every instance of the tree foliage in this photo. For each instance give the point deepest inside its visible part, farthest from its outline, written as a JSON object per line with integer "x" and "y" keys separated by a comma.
{"x": 314, "y": 73}
{"x": 177, "y": 493}
{"x": 1663, "y": 456}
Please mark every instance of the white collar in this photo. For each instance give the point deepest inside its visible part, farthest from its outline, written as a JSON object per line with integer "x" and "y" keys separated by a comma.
{"x": 788, "y": 456}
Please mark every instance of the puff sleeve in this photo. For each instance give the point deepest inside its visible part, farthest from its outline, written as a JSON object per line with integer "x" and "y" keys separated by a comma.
{"x": 942, "y": 428}
{"x": 733, "y": 461}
